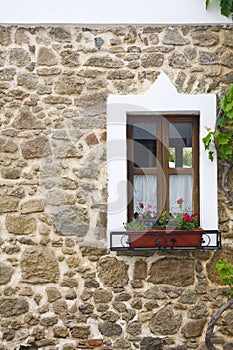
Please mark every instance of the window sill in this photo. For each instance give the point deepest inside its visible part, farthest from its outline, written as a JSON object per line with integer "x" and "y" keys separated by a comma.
{"x": 162, "y": 239}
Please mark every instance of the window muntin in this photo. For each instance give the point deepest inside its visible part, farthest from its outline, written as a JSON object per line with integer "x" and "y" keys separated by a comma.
{"x": 169, "y": 146}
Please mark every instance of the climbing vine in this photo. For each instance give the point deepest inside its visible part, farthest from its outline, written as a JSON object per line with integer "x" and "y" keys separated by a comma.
{"x": 225, "y": 271}
{"x": 226, "y": 7}
{"x": 222, "y": 139}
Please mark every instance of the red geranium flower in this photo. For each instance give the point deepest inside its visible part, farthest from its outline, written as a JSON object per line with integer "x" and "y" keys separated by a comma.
{"x": 141, "y": 205}
{"x": 179, "y": 201}
{"x": 187, "y": 217}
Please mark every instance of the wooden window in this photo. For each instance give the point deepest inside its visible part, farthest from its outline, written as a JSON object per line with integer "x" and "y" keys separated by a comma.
{"x": 163, "y": 161}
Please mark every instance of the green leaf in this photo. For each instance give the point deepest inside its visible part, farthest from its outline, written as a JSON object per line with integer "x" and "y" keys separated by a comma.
{"x": 207, "y": 4}
{"x": 226, "y": 150}
{"x": 224, "y": 138}
{"x": 226, "y": 6}
{"x": 221, "y": 121}
{"x": 211, "y": 155}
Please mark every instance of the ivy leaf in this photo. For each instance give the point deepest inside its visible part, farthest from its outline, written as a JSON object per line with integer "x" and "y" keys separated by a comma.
{"x": 226, "y": 7}
{"x": 221, "y": 122}
{"x": 226, "y": 150}
{"x": 207, "y": 4}
{"x": 211, "y": 155}
{"x": 223, "y": 138}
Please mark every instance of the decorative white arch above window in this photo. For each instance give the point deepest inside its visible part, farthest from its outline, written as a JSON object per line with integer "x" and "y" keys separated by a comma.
{"x": 162, "y": 97}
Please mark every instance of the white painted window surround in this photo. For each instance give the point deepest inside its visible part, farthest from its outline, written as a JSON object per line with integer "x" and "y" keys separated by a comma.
{"x": 161, "y": 97}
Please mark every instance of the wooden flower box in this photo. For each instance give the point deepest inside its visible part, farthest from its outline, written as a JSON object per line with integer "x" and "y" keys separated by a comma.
{"x": 164, "y": 238}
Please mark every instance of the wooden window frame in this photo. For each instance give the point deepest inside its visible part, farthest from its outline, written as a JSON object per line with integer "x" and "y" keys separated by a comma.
{"x": 162, "y": 155}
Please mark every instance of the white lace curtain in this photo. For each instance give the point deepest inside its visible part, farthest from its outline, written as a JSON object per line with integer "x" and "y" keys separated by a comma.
{"x": 180, "y": 186}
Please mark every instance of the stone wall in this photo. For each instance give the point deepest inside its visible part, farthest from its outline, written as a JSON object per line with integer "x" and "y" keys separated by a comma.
{"x": 60, "y": 286}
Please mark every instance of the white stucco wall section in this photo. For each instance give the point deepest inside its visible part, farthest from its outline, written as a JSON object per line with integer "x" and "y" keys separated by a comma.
{"x": 110, "y": 11}
{"x": 161, "y": 97}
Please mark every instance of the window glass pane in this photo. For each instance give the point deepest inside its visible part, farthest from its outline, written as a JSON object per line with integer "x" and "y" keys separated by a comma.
{"x": 187, "y": 157}
{"x": 145, "y": 192}
{"x": 144, "y": 145}
{"x": 180, "y": 138}
{"x": 172, "y": 155}
{"x": 180, "y": 187}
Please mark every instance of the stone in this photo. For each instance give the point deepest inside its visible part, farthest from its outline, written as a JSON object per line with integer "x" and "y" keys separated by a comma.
{"x": 140, "y": 270}
{"x": 152, "y": 60}
{"x": 104, "y": 61}
{"x": 21, "y": 36}
{"x": 190, "y": 52}
{"x": 227, "y": 78}
{"x": 91, "y": 139}
{"x": 70, "y": 58}
{"x": 20, "y": 225}
{"x": 151, "y": 343}
{"x": 48, "y": 71}
{"x": 57, "y": 100}
{"x": 172, "y": 271}
{"x": 102, "y": 295}
{"x": 28, "y": 80}
{"x": 5, "y": 35}
{"x": 110, "y": 329}
{"x": 178, "y": 60}
{"x": 32, "y": 206}
{"x": 60, "y": 34}
{"x": 36, "y": 148}
{"x": 227, "y": 59}
{"x": 80, "y": 330}
{"x": 46, "y": 57}
{"x": 113, "y": 272}
{"x": 19, "y": 57}
{"x": 228, "y": 346}
{"x": 212, "y": 71}
{"x": 48, "y": 321}
{"x": 8, "y": 334}
{"x": 27, "y": 120}
{"x": 7, "y": 146}
{"x": 193, "y": 328}
{"x": 67, "y": 149}
{"x": 86, "y": 309}
{"x": 206, "y": 57}
{"x": 227, "y": 37}
{"x": 8, "y": 204}
{"x": 123, "y": 297}
{"x": 11, "y": 173}
{"x": 60, "y": 307}
{"x": 69, "y": 282}
{"x": 60, "y": 331}
{"x": 120, "y": 307}
{"x": 71, "y": 220}
{"x": 53, "y": 294}
{"x": 121, "y": 344}
{"x": 6, "y": 273}
{"x": 204, "y": 38}
{"x": 7, "y": 74}
{"x": 165, "y": 322}
{"x": 134, "y": 328}
{"x": 110, "y": 316}
{"x": 69, "y": 85}
{"x": 227, "y": 325}
{"x": 189, "y": 297}
{"x": 120, "y": 74}
{"x": 10, "y": 307}
{"x": 39, "y": 265}
{"x": 173, "y": 37}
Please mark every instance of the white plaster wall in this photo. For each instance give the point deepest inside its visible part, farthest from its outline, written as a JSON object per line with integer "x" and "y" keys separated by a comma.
{"x": 110, "y": 11}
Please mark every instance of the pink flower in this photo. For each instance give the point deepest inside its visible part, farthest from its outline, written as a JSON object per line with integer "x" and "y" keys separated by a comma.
{"x": 140, "y": 217}
{"x": 187, "y": 217}
{"x": 179, "y": 201}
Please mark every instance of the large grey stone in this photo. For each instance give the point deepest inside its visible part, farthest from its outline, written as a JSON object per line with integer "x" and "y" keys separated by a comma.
{"x": 151, "y": 343}
{"x": 204, "y": 38}
{"x": 173, "y": 37}
{"x": 27, "y": 120}
{"x": 152, "y": 60}
{"x": 8, "y": 204}
{"x": 105, "y": 61}
{"x": 19, "y": 57}
{"x": 71, "y": 220}
{"x": 193, "y": 328}
{"x": 69, "y": 85}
